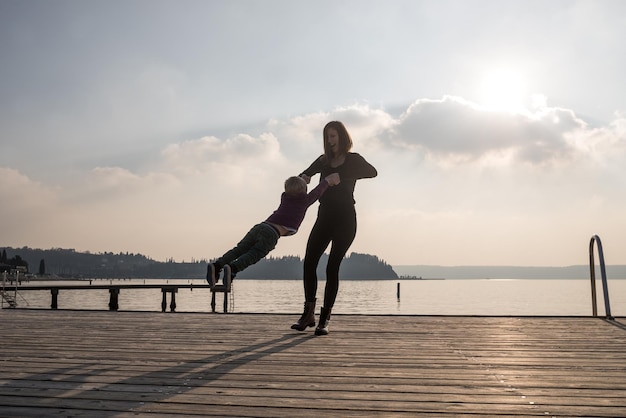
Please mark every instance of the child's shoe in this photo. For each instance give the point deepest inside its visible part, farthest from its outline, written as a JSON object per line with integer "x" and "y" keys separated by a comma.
{"x": 212, "y": 274}
{"x": 229, "y": 275}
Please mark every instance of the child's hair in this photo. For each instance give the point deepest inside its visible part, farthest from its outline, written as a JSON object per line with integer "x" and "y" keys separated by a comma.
{"x": 295, "y": 185}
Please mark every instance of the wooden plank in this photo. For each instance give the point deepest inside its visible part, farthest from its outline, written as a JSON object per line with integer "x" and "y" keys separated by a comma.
{"x": 173, "y": 285}
{"x": 90, "y": 363}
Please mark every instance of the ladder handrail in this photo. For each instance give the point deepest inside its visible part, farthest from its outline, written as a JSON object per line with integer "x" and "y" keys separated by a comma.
{"x": 592, "y": 270}
{"x": 11, "y": 300}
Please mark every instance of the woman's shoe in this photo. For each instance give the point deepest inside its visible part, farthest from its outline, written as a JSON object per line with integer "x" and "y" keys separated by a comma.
{"x": 322, "y": 326}
{"x": 307, "y": 319}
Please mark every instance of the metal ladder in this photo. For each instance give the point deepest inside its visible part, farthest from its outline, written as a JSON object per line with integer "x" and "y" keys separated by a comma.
{"x": 592, "y": 268}
{"x": 9, "y": 298}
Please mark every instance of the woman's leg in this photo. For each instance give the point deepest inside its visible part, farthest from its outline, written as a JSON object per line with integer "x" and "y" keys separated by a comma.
{"x": 345, "y": 232}
{"x": 315, "y": 246}
{"x": 319, "y": 238}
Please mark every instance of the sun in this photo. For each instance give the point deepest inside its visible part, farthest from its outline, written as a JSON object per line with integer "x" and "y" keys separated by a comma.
{"x": 503, "y": 90}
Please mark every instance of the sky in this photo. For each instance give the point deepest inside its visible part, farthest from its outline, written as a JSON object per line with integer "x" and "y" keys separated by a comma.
{"x": 167, "y": 128}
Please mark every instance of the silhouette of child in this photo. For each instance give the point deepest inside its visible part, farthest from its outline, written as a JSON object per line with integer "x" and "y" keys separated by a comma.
{"x": 263, "y": 237}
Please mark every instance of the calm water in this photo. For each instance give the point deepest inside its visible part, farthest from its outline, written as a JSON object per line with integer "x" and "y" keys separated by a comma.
{"x": 417, "y": 297}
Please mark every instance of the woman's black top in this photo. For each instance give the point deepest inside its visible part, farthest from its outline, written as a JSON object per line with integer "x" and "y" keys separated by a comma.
{"x": 341, "y": 196}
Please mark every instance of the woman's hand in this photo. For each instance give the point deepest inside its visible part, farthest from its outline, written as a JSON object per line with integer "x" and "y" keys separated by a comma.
{"x": 333, "y": 179}
{"x": 305, "y": 178}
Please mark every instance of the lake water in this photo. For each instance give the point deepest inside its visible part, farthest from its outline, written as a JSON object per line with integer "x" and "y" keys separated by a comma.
{"x": 417, "y": 297}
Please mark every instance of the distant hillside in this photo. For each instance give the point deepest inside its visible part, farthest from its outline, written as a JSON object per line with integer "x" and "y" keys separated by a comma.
{"x": 71, "y": 263}
{"x": 354, "y": 266}
{"x": 507, "y": 272}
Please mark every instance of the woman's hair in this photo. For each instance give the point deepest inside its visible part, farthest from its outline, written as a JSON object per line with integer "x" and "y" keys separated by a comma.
{"x": 345, "y": 142}
{"x": 295, "y": 185}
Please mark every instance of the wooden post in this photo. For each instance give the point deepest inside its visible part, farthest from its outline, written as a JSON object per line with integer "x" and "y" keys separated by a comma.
{"x": 221, "y": 288}
{"x": 55, "y": 298}
{"x": 398, "y": 291}
{"x": 173, "y": 292}
{"x": 114, "y": 298}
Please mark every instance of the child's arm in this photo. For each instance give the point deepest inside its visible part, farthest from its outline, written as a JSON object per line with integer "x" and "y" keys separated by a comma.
{"x": 317, "y": 192}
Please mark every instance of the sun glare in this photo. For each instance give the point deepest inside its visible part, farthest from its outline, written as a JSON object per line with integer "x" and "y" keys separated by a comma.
{"x": 503, "y": 91}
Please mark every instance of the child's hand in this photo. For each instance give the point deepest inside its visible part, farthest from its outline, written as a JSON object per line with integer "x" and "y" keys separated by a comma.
{"x": 333, "y": 179}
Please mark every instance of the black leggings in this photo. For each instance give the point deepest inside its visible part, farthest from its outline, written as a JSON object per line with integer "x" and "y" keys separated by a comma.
{"x": 338, "y": 229}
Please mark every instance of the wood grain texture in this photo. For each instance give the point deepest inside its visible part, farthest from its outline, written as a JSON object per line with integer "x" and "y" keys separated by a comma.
{"x": 122, "y": 364}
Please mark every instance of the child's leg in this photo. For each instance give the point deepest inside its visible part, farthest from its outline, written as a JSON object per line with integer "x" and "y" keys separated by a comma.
{"x": 265, "y": 239}
{"x": 242, "y": 247}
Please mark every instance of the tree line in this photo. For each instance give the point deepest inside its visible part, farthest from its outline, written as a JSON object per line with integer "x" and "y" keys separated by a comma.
{"x": 69, "y": 263}
{"x": 8, "y": 264}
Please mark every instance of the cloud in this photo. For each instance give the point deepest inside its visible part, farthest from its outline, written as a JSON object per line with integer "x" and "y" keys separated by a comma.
{"x": 301, "y": 136}
{"x": 22, "y": 194}
{"x": 452, "y": 177}
{"x": 453, "y": 128}
{"x": 28, "y": 207}
{"x": 107, "y": 183}
{"x": 209, "y": 150}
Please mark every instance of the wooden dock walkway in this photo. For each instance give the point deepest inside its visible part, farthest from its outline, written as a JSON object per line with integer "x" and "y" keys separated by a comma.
{"x": 149, "y": 364}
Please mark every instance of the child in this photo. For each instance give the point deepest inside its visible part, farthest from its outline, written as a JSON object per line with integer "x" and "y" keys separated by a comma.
{"x": 262, "y": 238}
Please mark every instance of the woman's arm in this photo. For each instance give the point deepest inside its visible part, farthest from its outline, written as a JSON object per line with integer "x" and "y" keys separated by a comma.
{"x": 359, "y": 168}
{"x": 313, "y": 169}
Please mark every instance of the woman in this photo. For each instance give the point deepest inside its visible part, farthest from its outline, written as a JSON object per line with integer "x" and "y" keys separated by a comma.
{"x": 336, "y": 221}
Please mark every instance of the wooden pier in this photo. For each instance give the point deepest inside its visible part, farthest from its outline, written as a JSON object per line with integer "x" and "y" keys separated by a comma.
{"x": 127, "y": 364}
{"x": 114, "y": 292}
